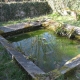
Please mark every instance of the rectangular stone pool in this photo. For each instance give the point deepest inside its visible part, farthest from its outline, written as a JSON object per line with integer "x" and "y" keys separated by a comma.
{"x": 45, "y": 49}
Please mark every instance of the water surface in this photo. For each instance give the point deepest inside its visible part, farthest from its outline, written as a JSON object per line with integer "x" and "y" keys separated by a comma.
{"x": 45, "y": 49}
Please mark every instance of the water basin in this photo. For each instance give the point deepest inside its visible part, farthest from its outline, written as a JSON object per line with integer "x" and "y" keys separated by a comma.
{"x": 45, "y": 49}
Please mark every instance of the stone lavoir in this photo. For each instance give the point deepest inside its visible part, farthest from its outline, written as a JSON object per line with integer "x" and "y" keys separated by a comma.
{"x": 40, "y": 52}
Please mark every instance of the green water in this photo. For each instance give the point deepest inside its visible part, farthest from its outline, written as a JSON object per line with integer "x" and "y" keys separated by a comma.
{"x": 45, "y": 49}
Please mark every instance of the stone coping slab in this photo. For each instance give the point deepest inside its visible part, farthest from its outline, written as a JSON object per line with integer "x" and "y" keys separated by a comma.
{"x": 7, "y": 31}
{"x": 18, "y": 26}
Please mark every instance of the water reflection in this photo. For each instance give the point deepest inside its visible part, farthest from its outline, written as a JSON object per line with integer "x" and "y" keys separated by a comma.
{"x": 47, "y": 51}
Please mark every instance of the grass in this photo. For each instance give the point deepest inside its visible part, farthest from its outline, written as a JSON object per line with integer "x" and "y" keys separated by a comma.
{"x": 9, "y": 70}
{"x": 63, "y": 19}
{"x": 21, "y": 20}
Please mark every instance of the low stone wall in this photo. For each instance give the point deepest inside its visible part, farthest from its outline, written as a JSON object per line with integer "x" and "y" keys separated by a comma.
{"x": 19, "y": 10}
{"x": 19, "y": 28}
{"x": 61, "y": 29}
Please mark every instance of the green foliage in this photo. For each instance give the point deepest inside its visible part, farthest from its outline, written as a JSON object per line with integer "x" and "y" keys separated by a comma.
{"x": 64, "y": 7}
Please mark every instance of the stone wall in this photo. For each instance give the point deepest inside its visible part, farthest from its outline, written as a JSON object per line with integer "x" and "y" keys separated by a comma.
{"x": 19, "y": 10}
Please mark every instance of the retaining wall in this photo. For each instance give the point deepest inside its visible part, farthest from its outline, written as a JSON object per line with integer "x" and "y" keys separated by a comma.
{"x": 19, "y": 10}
